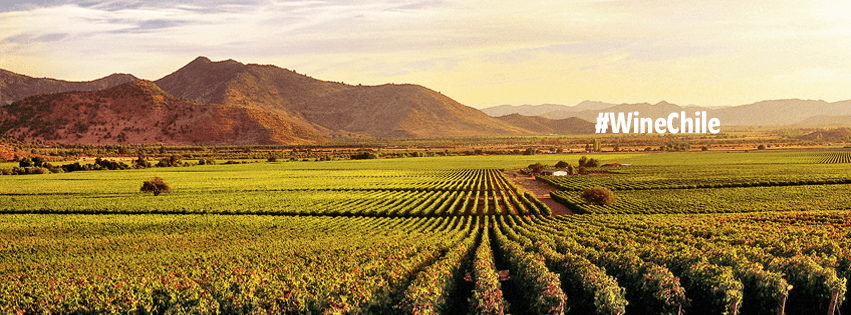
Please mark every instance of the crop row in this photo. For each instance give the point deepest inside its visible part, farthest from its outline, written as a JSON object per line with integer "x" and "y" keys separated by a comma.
{"x": 641, "y": 264}
{"x": 717, "y": 200}
{"x": 221, "y": 264}
{"x": 641, "y": 182}
{"x": 726, "y": 264}
{"x": 834, "y": 157}
{"x": 493, "y": 194}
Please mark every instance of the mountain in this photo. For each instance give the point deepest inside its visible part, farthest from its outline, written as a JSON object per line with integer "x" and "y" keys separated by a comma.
{"x": 330, "y": 108}
{"x": 793, "y": 112}
{"x": 541, "y": 125}
{"x": 15, "y": 87}
{"x": 140, "y": 112}
{"x": 525, "y": 110}
{"x": 661, "y": 109}
{"x": 779, "y": 112}
{"x": 544, "y": 110}
{"x": 824, "y": 121}
{"x": 838, "y": 134}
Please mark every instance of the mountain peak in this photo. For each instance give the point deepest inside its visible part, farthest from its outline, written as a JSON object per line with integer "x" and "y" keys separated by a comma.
{"x": 15, "y": 87}
{"x": 202, "y": 60}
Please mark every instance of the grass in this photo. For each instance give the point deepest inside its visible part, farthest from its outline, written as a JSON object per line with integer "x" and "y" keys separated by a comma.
{"x": 307, "y": 187}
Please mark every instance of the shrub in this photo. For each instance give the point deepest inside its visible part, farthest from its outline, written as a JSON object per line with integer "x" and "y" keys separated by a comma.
{"x": 600, "y": 196}
{"x": 537, "y": 167}
{"x": 25, "y": 162}
{"x": 586, "y": 162}
{"x": 156, "y": 186}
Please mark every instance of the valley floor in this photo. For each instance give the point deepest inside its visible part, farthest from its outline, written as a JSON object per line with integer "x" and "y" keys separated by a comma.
{"x": 694, "y": 233}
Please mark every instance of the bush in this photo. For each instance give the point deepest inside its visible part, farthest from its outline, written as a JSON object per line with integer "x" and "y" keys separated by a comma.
{"x": 600, "y": 196}
{"x": 586, "y": 162}
{"x": 156, "y": 186}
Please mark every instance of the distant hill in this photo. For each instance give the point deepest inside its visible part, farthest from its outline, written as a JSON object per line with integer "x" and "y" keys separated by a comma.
{"x": 838, "y": 134}
{"x": 543, "y": 125}
{"x": 824, "y": 121}
{"x": 330, "y": 108}
{"x": 794, "y": 112}
{"x": 544, "y": 110}
{"x": 779, "y": 112}
{"x": 140, "y": 112}
{"x": 15, "y": 87}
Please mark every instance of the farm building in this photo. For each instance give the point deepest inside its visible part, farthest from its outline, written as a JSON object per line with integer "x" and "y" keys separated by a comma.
{"x": 617, "y": 165}
{"x": 554, "y": 173}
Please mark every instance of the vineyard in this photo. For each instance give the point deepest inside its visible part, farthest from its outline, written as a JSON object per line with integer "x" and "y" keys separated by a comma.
{"x": 721, "y": 264}
{"x": 836, "y": 157}
{"x": 382, "y": 193}
{"x": 724, "y": 183}
{"x": 439, "y": 236}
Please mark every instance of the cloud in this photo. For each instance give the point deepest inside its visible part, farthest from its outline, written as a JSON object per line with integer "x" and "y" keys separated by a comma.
{"x": 454, "y": 46}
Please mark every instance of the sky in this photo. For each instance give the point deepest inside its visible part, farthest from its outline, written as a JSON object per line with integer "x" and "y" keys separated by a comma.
{"x": 480, "y": 53}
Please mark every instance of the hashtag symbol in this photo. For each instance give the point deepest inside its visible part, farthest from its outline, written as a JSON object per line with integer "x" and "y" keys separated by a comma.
{"x": 602, "y": 123}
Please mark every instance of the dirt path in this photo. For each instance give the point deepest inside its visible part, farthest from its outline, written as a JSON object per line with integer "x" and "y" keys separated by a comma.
{"x": 538, "y": 189}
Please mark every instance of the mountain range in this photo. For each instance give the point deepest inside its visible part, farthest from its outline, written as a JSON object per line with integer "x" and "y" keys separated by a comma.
{"x": 208, "y": 102}
{"x": 15, "y": 87}
{"x": 228, "y": 102}
{"x": 774, "y": 113}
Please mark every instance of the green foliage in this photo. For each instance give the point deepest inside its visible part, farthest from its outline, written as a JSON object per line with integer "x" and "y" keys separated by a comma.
{"x": 171, "y": 161}
{"x": 487, "y": 296}
{"x": 715, "y": 200}
{"x": 156, "y": 186}
{"x": 433, "y": 288}
{"x": 600, "y": 196}
{"x": 729, "y": 261}
{"x": 68, "y": 264}
{"x": 540, "y": 286}
{"x": 586, "y": 162}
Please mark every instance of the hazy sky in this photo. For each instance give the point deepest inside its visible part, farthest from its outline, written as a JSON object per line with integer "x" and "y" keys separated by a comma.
{"x": 481, "y": 53}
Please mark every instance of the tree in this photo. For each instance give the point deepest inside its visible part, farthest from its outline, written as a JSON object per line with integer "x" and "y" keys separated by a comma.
{"x": 586, "y": 162}
{"x": 25, "y": 162}
{"x": 600, "y": 196}
{"x": 171, "y": 161}
{"x": 562, "y": 164}
{"x": 761, "y": 147}
{"x": 537, "y": 167}
{"x": 156, "y": 186}
{"x": 592, "y": 163}
{"x": 142, "y": 162}
{"x": 38, "y": 161}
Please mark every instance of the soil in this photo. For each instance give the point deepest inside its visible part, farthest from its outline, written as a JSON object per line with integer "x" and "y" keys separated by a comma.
{"x": 539, "y": 189}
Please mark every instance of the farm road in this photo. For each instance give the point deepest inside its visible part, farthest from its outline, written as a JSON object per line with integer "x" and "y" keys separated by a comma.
{"x": 538, "y": 189}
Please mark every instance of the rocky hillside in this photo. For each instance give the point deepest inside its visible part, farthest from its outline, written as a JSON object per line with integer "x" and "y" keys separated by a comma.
{"x": 543, "y": 125}
{"x": 330, "y": 108}
{"x": 15, "y": 87}
{"x": 140, "y": 112}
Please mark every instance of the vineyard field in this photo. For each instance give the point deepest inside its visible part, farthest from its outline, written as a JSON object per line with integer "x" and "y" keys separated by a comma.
{"x": 688, "y": 233}
{"x": 716, "y": 200}
{"x": 725, "y": 183}
{"x": 603, "y": 264}
{"x": 274, "y": 188}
